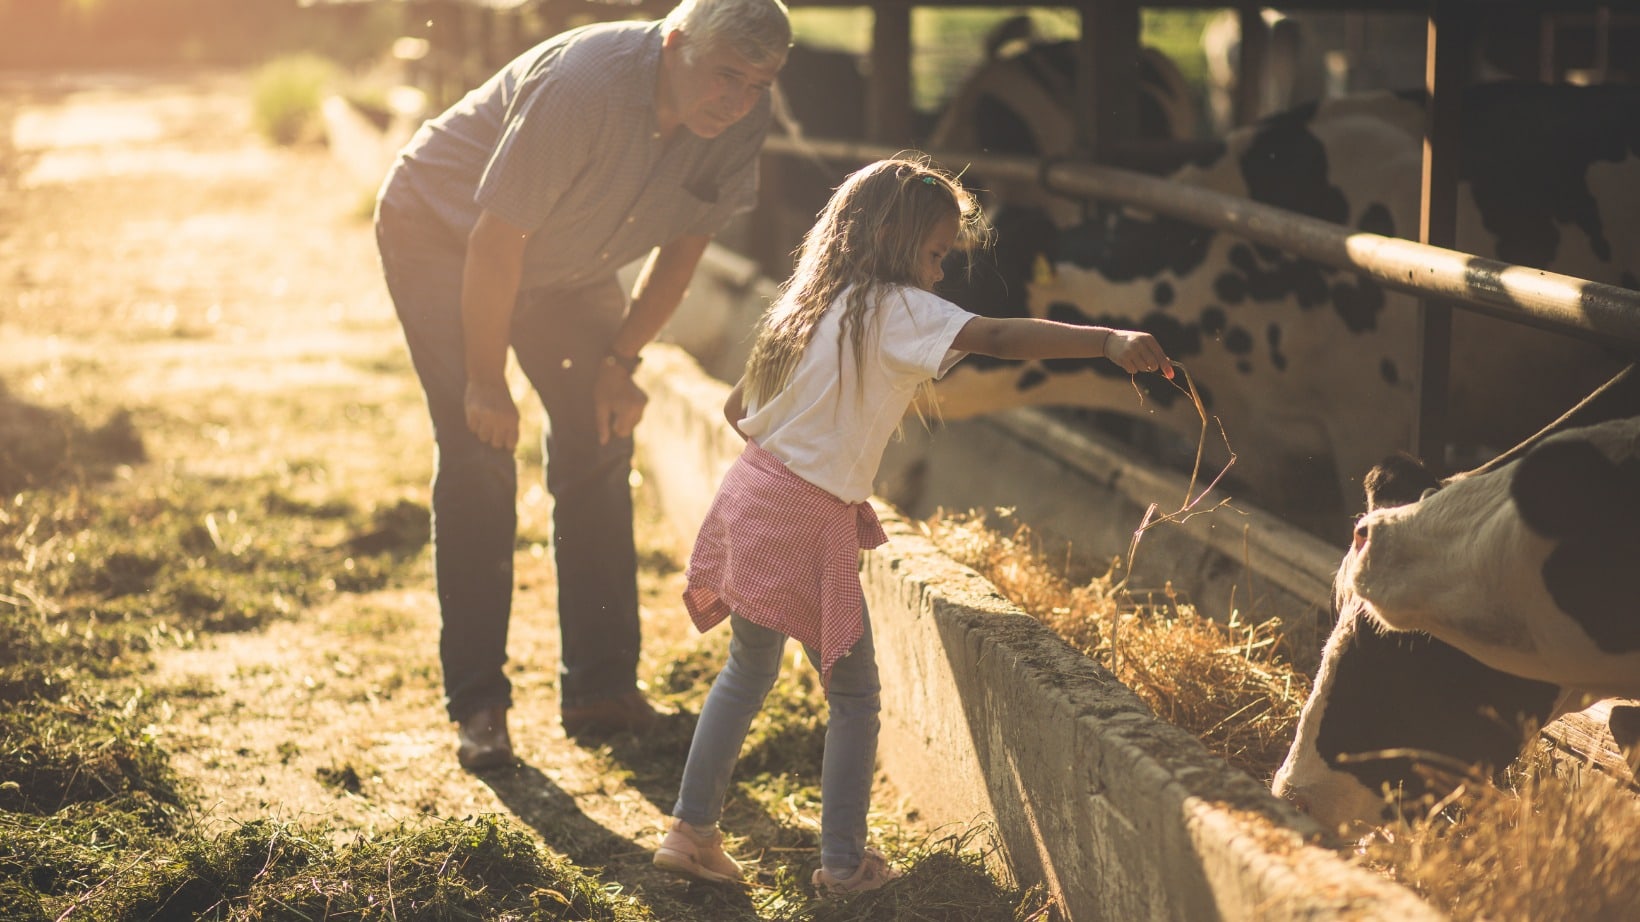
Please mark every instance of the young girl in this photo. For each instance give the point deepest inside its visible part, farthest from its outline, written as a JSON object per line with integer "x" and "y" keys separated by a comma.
{"x": 838, "y": 358}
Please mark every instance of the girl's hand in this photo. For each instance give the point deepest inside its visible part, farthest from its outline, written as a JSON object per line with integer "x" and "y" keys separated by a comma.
{"x": 1137, "y": 352}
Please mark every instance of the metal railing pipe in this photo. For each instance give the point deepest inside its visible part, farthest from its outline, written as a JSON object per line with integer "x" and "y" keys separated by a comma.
{"x": 1607, "y": 313}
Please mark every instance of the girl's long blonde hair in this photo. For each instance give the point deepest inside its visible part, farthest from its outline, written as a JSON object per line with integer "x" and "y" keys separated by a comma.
{"x": 868, "y": 236}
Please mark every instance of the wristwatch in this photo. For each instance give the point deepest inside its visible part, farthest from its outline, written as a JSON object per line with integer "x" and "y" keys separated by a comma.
{"x": 627, "y": 363}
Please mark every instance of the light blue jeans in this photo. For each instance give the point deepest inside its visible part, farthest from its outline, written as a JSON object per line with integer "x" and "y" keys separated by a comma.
{"x": 850, "y": 759}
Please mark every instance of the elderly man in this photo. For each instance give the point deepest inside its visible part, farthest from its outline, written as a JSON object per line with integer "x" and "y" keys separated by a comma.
{"x": 502, "y": 223}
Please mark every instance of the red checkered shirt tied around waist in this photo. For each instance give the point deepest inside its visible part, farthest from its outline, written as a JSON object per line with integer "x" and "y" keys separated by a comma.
{"x": 784, "y": 554}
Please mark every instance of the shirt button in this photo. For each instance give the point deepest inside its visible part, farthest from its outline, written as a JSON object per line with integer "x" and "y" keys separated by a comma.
{"x": 604, "y": 256}
{"x": 631, "y": 218}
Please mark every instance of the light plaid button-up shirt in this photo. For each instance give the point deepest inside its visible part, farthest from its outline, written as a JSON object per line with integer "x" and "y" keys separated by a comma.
{"x": 563, "y": 141}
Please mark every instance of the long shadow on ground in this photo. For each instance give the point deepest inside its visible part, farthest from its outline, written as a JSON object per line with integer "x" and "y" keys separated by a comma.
{"x": 552, "y": 812}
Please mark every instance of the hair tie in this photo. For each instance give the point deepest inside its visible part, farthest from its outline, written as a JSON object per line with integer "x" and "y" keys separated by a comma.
{"x": 929, "y": 180}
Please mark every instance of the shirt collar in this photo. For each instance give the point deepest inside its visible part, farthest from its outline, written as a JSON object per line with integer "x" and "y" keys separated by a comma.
{"x": 649, "y": 68}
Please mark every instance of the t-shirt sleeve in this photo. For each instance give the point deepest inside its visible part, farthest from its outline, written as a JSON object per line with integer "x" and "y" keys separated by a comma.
{"x": 917, "y": 330}
{"x": 546, "y": 141}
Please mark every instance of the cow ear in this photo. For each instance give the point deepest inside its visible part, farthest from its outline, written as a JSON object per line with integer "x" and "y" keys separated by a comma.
{"x": 1398, "y": 480}
{"x": 1565, "y": 487}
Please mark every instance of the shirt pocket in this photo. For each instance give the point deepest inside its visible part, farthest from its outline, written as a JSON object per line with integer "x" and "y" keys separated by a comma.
{"x": 703, "y": 189}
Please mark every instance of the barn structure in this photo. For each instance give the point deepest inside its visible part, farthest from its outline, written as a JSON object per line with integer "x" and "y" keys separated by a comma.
{"x": 1278, "y": 570}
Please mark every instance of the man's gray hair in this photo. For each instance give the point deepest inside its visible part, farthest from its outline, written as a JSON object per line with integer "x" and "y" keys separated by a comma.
{"x": 757, "y": 30}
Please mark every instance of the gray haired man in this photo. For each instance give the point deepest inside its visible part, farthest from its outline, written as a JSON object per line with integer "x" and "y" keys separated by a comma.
{"x": 502, "y": 224}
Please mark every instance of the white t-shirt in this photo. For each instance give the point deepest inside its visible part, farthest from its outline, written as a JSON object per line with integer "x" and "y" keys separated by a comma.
{"x": 830, "y": 425}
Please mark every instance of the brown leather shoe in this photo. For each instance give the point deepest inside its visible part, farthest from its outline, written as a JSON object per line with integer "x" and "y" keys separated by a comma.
{"x": 483, "y": 740}
{"x": 625, "y": 713}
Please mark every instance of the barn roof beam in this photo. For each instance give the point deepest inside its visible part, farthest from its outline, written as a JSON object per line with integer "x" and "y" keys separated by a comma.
{"x": 1592, "y": 310}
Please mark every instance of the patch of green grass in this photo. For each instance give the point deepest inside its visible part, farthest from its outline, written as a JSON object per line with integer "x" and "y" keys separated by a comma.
{"x": 479, "y": 868}
{"x": 106, "y": 864}
{"x": 162, "y": 561}
{"x": 36, "y": 661}
{"x": 72, "y": 851}
{"x": 287, "y": 97}
{"x": 93, "y": 823}
{"x": 81, "y": 751}
{"x": 1178, "y": 34}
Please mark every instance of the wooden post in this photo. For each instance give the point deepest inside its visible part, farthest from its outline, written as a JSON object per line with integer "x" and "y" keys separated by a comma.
{"x": 1252, "y": 54}
{"x": 1451, "y": 33}
{"x": 1602, "y": 44}
{"x": 1107, "y": 74}
{"x": 1546, "y": 48}
{"x": 888, "y": 95}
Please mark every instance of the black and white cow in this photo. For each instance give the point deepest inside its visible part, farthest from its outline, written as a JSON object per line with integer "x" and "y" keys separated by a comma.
{"x": 1313, "y": 371}
{"x": 1530, "y": 567}
{"x": 1387, "y": 703}
{"x": 1019, "y": 101}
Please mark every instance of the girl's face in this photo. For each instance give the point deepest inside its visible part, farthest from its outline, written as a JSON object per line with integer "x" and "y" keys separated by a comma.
{"x": 931, "y": 255}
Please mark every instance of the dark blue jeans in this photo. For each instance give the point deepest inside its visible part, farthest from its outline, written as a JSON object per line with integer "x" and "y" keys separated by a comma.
{"x": 559, "y": 338}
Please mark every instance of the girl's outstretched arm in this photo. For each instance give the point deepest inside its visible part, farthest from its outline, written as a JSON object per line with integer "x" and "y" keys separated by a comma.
{"x": 1032, "y": 338}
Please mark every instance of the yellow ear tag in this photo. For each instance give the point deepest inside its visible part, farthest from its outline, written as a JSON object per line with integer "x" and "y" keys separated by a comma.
{"x": 1042, "y": 271}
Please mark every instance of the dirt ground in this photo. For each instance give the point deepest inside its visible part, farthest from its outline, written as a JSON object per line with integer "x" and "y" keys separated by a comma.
{"x": 162, "y": 255}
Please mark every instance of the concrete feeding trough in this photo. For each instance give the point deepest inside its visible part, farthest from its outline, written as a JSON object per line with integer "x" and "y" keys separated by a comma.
{"x": 988, "y": 716}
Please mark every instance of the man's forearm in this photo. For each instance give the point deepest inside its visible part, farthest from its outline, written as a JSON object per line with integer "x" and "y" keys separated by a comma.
{"x": 489, "y": 289}
{"x": 658, "y": 291}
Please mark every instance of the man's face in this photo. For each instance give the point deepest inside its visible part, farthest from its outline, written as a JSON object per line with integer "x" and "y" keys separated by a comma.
{"x": 717, "y": 88}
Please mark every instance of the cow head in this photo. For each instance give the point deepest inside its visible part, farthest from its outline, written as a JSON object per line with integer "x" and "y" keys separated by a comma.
{"x": 1527, "y": 566}
{"x": 1397, "y": 717}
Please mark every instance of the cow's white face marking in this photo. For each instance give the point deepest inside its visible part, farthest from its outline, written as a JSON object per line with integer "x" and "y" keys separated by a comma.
{"x": 1335, "y": 799}
{"x": 1464, "y": 565}
{"x": 1419, "y": 567}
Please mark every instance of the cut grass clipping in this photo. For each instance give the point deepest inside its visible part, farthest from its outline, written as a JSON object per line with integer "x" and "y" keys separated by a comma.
{"x": 1227, "y": 682}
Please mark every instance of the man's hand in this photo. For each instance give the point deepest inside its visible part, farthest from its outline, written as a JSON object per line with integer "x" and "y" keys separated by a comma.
{"x": 617, "y": 403}
{"x": 492, "y": 415}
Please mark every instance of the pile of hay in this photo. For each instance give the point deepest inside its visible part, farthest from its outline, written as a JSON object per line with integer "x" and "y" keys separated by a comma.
{"x": 1539, "y": 846}
{"x": 1228, "y": 682}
